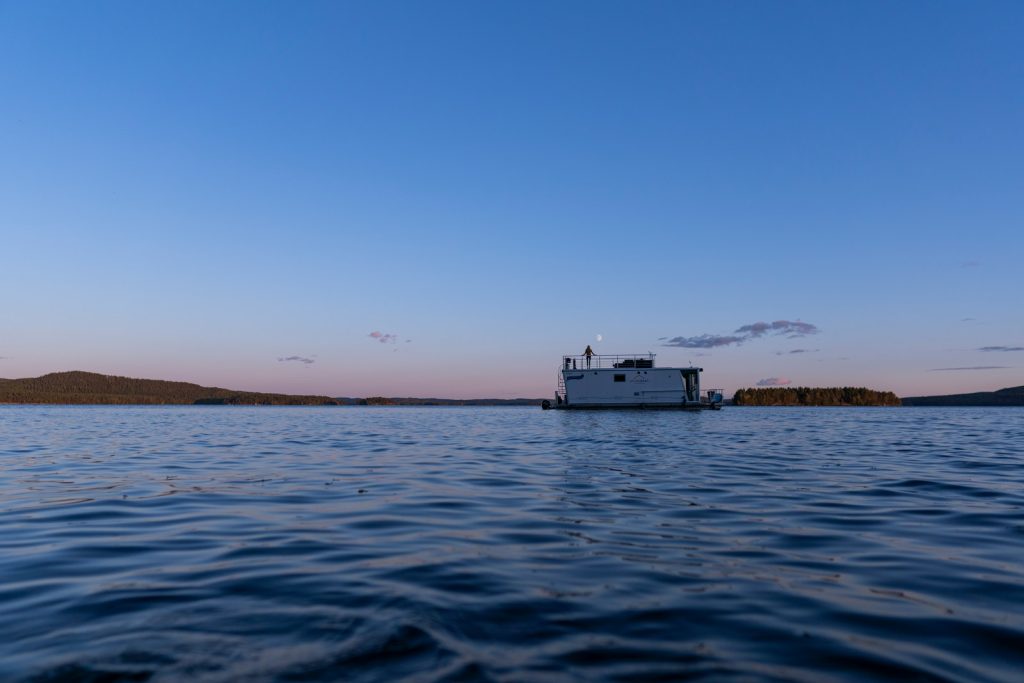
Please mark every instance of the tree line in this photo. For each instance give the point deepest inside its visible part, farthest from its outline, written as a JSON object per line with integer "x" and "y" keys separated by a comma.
{"x": 814, "y": 396}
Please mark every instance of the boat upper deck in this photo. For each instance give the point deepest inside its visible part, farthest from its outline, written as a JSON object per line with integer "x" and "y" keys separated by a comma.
{"x": 609, "y": 362}
{"x": 598, "y": 362}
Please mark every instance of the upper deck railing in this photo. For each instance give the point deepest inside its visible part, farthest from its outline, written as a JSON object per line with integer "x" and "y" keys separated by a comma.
{"x": 633, "y": 360}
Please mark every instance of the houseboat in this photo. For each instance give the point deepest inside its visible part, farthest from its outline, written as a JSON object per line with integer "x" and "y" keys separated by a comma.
{"x": 632, "y": 381}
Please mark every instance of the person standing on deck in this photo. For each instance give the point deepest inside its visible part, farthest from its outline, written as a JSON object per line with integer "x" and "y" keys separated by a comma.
{"x": 588, "y": 353}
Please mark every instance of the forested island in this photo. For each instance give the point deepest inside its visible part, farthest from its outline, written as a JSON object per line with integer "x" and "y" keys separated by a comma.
{"x": 814, "y": 396}
{"x": 90, "y": 388}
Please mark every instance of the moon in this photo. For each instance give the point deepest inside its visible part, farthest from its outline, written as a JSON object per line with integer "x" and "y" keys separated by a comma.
{"x": 600, "y": 337}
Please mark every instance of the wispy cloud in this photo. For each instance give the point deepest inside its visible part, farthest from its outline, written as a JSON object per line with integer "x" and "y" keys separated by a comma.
{"x": 966, "y": 320}
{"x": 1001, "y": 348}
{"x": 790, "y": 329}
{"x": 704, "y": 341}
{"x": 970, "y": 264}
{"x": 296, "y": 359}
{"x": 383, "y": 338}
{"x": 789, "y": 353}
{"x": 973, "y": 367}
{"x": 773, "y": 382}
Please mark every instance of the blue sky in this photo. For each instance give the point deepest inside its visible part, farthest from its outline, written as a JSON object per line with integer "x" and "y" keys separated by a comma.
{"x": 197, "y": 190}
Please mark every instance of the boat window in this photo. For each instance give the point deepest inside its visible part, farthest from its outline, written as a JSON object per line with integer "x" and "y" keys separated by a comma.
{"x": 620, "y": 378}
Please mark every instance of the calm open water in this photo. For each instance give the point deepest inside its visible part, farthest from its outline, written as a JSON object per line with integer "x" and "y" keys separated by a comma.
{"x": 475, "y": 544}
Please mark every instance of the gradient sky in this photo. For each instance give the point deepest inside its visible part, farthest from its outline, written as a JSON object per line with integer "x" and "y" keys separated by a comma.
{"x": 203, "y": 190}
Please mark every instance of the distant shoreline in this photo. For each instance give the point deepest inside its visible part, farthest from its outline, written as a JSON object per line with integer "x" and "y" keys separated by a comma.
{"x": 473, "y": 403}
{"x": 90, "y": 388}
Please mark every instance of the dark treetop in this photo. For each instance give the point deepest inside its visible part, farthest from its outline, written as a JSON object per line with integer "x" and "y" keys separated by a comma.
{"x": 820, "y": 396}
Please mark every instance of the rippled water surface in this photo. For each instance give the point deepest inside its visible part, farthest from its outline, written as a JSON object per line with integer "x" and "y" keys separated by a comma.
{"x": 475, "y": 544}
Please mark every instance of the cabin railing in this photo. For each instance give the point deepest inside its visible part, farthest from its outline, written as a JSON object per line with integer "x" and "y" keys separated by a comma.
{"x": 634, "y": 360}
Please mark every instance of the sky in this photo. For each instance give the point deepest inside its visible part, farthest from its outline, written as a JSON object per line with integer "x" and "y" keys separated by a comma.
{"x": 443, "y": 198}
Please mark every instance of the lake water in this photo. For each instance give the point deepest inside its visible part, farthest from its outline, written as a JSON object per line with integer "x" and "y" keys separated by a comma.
{"x": 476, "y": 544}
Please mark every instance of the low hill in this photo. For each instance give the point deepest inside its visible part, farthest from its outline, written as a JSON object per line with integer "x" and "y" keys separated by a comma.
{"x": 1012, "y": 396}
{"x": 91, "y": 388}
{"x": 88, "y": 388}
{"x": 814, "y": 396}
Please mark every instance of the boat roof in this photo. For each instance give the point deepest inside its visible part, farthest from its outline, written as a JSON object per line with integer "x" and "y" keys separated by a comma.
{"x": 615, "y": 362}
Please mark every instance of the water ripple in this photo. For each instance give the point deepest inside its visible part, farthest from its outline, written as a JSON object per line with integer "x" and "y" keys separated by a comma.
{"x": 442, "y": 544}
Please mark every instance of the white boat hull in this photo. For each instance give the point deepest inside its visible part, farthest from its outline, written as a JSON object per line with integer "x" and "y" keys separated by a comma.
{"x": 651, "y": 388}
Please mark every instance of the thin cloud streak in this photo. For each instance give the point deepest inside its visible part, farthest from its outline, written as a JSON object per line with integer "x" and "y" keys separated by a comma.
{"x": 1001, "y": 348}
{"x": 774, "y": 382}
{"x": 296, "y": 359}
{"x": 791, "y": 329}
{"x": 703, "y": 341}
{"x": 382, "y": 337}
{"x": 973, "y": 367}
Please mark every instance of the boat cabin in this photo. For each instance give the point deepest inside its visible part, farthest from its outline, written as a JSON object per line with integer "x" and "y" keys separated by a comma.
{"x": 630, "y": 381}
